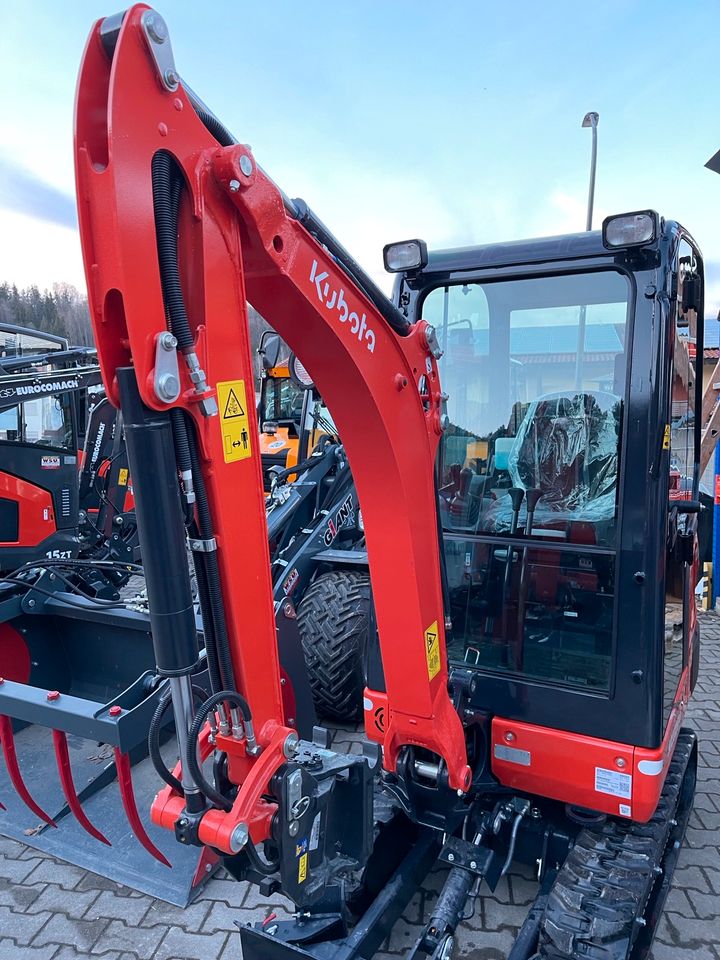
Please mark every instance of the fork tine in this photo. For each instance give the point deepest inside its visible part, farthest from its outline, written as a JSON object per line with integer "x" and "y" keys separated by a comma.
{"x": 62, "y": 756}
{"x": 8, "y": 745}
{"x": 127, "y": 794}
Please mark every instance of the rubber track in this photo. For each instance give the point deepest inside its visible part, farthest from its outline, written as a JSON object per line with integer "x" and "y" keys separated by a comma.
{"x": 607, "y": 879}
{"x": 334, "y": 619}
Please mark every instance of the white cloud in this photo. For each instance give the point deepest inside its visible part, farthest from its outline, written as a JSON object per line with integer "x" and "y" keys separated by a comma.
{"x": 36, "y": 252}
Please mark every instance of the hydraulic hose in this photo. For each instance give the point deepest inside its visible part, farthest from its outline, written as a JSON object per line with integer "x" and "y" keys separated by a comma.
{"x": 209, "y": 564}
{"x": 167, "y": 184}
{"x": 167, "y": 187}
{"x": 194, "y": 769}
{"x": 154, "y": 738}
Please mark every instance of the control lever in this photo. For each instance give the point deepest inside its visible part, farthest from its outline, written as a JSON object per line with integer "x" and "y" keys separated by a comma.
{"x": 532, "y": 497}
{"x": 517, "y": 495}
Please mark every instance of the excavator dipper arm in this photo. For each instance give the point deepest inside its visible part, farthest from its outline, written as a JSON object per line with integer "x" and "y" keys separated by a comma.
{"x": 180, "y": 229}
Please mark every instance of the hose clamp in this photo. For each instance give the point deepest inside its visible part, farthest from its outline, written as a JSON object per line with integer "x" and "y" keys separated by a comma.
{"x": 202, "y": 546}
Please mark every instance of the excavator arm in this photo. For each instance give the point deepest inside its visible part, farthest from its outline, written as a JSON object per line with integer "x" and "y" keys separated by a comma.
{"x": 180, "y": 229}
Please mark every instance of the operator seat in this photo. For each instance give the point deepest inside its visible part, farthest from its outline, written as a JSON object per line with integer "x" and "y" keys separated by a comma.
{"x": 566, "y": 447}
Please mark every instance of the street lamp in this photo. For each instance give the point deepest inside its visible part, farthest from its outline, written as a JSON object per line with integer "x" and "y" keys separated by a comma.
{"x": 591, "y": 120}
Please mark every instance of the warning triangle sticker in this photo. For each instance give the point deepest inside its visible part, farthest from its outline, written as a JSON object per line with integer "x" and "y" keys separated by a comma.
{"x": 232, "y": 407}
{"x": 430, "y": 639}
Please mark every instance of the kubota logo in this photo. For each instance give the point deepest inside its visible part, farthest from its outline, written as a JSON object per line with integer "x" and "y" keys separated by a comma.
{"x": 332, "y": 300}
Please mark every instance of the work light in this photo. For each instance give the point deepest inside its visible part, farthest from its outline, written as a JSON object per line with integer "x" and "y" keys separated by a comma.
{"x": 630, "y": 229}
{"x": 405, "y": 255}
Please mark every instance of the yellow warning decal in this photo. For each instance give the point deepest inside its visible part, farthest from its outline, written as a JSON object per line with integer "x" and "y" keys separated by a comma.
{"x": 666, "y": 438}
{"x": 232, "y": 402}
{"x": 302, "y": 868}
{"x": 432, "y": 650}
{"x": 122, "y": 477}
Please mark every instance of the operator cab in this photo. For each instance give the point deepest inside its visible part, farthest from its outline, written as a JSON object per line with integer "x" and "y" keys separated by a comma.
{"x": 39, "y": 450}
{"x": 571, "y": 429}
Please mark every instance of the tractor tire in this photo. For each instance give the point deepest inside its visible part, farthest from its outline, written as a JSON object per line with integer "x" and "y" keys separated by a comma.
{"x": 334, "y": 618}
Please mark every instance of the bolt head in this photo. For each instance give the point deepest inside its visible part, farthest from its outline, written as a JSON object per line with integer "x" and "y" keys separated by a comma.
{"x": 167, "y": 341}
{"x": 53, "y": 695}
{"x": 31, "y": 603}
{"x": 451, "y": 857}
{"x": 234, "y": 186}
{"x": 156, "y": 28}
{"x": 509, "y": 736}
{"x": 168, "y": 386}
{"x": 239, "y": 837}
{"x": 171, "y": 78}
{"x": 246, "y": 165}
{"x": 620, "y": 762}
{"x": 473, "y": 865}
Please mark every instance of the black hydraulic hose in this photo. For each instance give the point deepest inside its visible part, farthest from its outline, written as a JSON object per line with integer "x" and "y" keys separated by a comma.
{"x": 185, "y": 462}
{"x": 154, "y": 738}
{"x": 167, "y": 186}
{"x": 193, "y": 766}
{"x": 212, "y": 571}
{"x": 213, "y": 126}
{"x": 267, "y": 869}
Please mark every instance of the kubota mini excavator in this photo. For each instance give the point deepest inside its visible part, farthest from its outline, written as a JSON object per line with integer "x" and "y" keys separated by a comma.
{"x": 524, "y": 703}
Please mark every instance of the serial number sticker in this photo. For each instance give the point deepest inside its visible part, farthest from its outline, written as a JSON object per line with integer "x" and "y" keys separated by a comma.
{"x": 432, "y": 650}
{"x": 234, "y": 423}
{"x": 302, "y": 868}
{"x": 614, "y": 783}
{"x": 512, "y": 755}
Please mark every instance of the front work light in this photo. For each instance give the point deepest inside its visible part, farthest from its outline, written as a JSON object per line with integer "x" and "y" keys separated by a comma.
{"x": 630, "y": 229}
{"x": 405, "y": 255}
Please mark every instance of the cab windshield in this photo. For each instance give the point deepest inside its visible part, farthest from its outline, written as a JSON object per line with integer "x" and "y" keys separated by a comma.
{"x": 535, "y": 372}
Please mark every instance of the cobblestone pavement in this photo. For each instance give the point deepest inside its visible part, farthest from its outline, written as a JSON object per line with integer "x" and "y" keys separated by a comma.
{"x": 52, "y": 911}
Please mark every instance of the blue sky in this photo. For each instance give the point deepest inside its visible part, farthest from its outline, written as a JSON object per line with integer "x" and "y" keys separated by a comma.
{"x": 457, "y": 122}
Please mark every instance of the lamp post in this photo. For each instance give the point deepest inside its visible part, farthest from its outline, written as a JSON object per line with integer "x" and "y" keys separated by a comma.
{"x": 591, "y": 120}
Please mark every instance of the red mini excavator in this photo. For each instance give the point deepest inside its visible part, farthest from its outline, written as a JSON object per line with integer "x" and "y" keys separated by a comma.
{"x": 512, "y": 463}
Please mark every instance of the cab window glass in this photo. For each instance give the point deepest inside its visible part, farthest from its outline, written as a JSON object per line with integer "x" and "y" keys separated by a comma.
{"x": 535, "y": 371}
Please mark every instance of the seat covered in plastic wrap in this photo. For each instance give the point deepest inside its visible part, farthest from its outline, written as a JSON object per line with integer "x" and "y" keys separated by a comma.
{"x": 567, "y": 447}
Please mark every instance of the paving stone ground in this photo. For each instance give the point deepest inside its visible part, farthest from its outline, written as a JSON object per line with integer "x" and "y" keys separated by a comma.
{"x": 52, "y": 911}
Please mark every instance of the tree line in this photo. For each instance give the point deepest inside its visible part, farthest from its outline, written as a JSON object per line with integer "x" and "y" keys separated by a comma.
{"x": 62, "y": 311}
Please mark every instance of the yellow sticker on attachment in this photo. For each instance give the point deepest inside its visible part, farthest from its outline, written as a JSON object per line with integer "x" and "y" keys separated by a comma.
{"x": 432, "y": 650}
{"x": 122, "y": 477}
{"x": 302, "y": 868}
{"x": 666, "y": 438}
{"x": 232, "y": 402}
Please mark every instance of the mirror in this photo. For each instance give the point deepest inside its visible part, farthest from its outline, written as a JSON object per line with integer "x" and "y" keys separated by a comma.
{"x": 269, "y": 349}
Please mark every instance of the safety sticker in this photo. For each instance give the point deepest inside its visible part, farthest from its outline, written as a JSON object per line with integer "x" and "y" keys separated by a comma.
{"x": 123, "y": 477}
{"x": 302, "y": 868}
{"x": 234, "y": 420}
{"x": 666, "y": 437}
{"x": 432, "y": 650}
{"x": 614, "y": 783}
{"x": 50, "y": 463}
